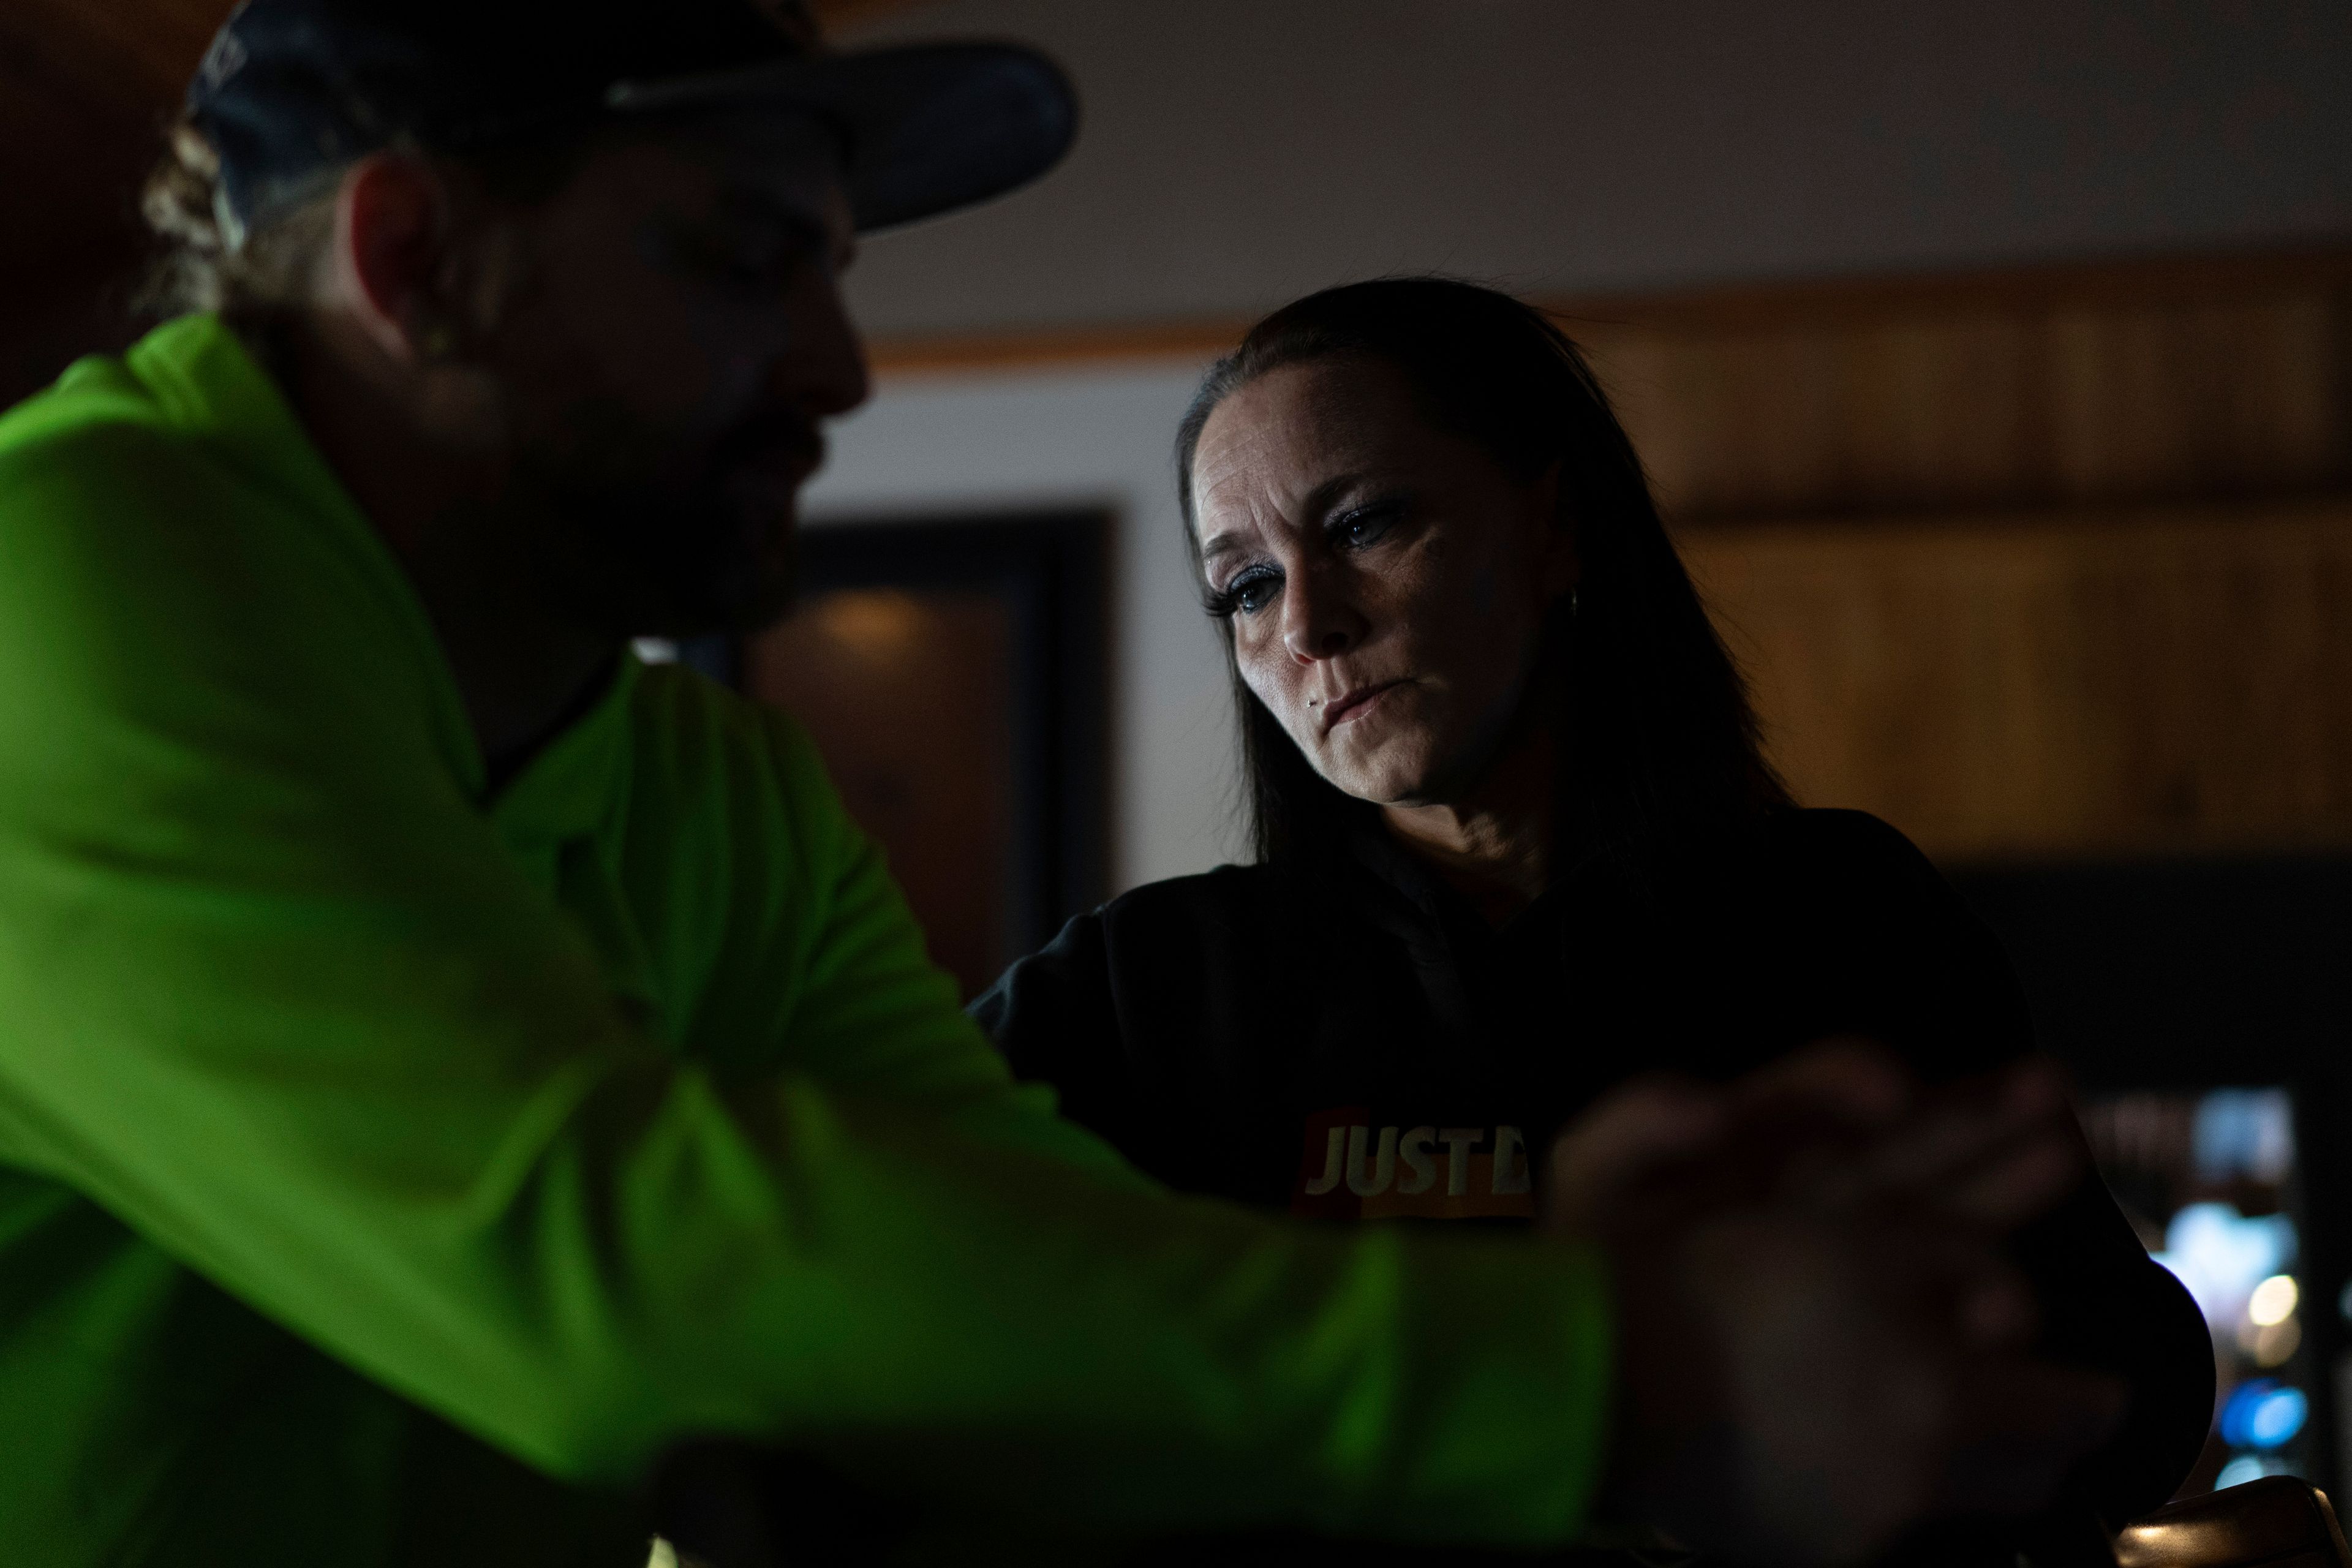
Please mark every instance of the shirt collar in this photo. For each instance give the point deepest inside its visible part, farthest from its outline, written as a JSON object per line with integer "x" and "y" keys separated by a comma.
{"x": 1410, "y": 889}
{"x": 577, "y": 781}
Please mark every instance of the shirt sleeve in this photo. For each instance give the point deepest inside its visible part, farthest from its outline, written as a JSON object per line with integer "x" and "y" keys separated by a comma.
{"x": 1052, "y": 1018}
{"x": 279, "y": 1001}
{"x": 1041, "y": 999}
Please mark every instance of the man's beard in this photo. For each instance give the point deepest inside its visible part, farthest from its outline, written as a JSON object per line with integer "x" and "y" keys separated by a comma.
{"x": 637, "y": 555}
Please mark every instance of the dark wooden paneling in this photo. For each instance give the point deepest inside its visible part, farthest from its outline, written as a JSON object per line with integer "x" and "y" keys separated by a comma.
{"x": 2164, "y": 380}
{"x": 85, "y": 91}
{"x": 2057, "y": 684}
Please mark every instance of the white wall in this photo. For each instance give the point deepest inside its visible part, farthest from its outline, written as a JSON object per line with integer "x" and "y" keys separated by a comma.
{"x": 952, "y": 447}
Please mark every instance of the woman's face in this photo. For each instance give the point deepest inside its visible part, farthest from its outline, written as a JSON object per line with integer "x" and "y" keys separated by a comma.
{"x": 1387, "y": 582}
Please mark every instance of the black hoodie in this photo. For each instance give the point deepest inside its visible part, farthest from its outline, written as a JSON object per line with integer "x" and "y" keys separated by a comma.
{"x": 1350, "y": 1039}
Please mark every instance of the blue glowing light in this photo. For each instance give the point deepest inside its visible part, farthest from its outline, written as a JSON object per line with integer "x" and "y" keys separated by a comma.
{"x": 2264, "y": 1413}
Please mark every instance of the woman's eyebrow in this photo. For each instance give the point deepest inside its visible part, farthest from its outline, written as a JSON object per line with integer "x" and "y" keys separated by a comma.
{"x": 1317, "y": 502}
{"x": 1218, "y": 545}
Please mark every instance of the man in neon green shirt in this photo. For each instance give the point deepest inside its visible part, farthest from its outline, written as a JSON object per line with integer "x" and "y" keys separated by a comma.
{"x": 445, "y": 1065}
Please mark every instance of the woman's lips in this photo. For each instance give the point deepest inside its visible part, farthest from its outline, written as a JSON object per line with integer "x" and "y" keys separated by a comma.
{"x": 1355, "y": 704}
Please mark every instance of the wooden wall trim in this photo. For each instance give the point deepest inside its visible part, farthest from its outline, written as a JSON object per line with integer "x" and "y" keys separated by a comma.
{"x": 835, "y": 16}
{"x": 1052, "y": 348}
{"x": 2146, "y": 280}
{"x": 2107, "y": 283}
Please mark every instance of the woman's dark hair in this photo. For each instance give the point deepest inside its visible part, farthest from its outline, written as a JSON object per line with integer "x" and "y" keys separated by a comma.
{"x": 1659, "y": 751}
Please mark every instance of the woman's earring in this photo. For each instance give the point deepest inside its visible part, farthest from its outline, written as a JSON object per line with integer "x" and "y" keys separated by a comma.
{"x": 1571, "y": 603}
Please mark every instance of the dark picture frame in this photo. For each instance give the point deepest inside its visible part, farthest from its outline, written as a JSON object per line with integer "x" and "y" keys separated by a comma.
{"x": 1048, "y": 567}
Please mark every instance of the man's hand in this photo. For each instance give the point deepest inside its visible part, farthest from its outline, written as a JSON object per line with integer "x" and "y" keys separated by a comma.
{"x": 1819, "y": 1342}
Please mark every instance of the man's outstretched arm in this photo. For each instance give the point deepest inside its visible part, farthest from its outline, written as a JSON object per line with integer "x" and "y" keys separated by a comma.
{"x": 281, "y": 1001}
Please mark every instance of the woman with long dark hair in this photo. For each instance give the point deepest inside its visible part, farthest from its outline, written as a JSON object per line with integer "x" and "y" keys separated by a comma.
{"x": 1515, "y": 839}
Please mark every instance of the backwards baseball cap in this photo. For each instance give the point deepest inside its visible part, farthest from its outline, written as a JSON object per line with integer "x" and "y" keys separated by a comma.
{"x": 292, "y": 90}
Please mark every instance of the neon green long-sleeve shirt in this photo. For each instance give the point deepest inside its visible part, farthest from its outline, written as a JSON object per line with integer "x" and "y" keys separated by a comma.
{"x": 340, "y": 1105}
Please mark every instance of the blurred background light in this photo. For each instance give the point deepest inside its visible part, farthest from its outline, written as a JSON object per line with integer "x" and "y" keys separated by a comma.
{"x": 2249, "y": 1468}
{"x": 2274, "y": 1300}
{"x": 2221, "y": 1256}
{"x": 2271, "y": 1344}
{"x": 2264, "y": 1413}
{"x": 2244, "y": 1134}
{"x": 2209, "y": 1180}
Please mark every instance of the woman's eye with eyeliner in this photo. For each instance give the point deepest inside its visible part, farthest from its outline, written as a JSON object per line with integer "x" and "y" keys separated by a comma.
{"x": 1248, "y": 593}
{"x": 1252, "y": 592}
{"x": 1364, "y": 526}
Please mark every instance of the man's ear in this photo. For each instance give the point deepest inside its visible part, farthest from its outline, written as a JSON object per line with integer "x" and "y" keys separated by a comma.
{"x": 391, "y": 229}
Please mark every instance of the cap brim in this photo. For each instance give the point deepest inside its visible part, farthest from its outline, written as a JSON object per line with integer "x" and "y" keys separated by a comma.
{"x": 930, "y": 127}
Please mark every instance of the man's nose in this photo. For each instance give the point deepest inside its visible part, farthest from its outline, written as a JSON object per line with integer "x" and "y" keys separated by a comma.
{"x": 823, "y": 368}
{"x": 1318, "y": 621}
